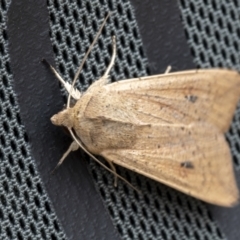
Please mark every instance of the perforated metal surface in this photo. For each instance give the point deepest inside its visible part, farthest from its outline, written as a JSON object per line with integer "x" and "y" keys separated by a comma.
{"x": 73, "y": 28}
{"x": 160, "y": 212}
{"x": 212, "y": 30}
{"x": 25, "y": 210}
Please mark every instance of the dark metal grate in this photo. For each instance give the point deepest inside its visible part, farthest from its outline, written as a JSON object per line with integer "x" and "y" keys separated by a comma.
{"x": 25, "y": 210}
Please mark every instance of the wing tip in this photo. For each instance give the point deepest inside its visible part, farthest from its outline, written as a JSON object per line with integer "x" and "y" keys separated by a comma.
{"x": 229, "y": 201}
{"x": 235, "y": 201}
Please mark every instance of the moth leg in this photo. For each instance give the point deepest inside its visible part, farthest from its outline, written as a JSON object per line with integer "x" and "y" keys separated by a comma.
{"x": 113, "y": 57}
{"x": 115, "y": 172}
{"x": 73, "y": 91}
{"x": 73, "y": 147}
{"x": 105, "y": 78}
{"x": 169, "y": 68}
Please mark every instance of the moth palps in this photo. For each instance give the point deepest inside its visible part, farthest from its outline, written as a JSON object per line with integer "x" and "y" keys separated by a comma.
{"x": 168, "y": 127}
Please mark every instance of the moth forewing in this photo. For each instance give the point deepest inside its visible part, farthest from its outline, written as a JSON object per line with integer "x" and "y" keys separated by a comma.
{"x": 194, "y": 159}
{"x": 182, "y": 97}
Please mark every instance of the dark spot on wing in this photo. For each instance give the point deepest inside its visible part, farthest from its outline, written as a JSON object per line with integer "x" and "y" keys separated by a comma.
{"x": 191, "y": 98}
{"x": 187, "y": 164}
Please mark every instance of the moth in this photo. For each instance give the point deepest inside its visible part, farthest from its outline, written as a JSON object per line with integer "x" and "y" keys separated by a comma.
{"x": 168, "y": 127}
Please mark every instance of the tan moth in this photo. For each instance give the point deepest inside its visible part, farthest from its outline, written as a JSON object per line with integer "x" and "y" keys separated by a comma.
{"x": 168, "y": 127}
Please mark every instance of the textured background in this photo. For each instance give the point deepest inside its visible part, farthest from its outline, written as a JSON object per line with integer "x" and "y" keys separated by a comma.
{"x": 79, "y": 201}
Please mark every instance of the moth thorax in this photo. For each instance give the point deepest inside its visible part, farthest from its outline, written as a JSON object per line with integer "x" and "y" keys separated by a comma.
{"x": 63, "y": 118}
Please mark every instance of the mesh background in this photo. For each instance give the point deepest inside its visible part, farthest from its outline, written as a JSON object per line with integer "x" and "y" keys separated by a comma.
{"x": 213, "y": 33}
{"x": 160, "y": 212}
{"x": 25, "y": 210}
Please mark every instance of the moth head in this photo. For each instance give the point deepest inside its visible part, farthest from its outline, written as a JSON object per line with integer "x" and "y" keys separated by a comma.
{"x": 63, "y": 118}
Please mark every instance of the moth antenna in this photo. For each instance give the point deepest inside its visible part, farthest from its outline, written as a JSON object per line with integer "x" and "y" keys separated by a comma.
{"x": 99, "y": 162}
{"x": 113, "y": 57}
{"x": 85, "y": 57}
